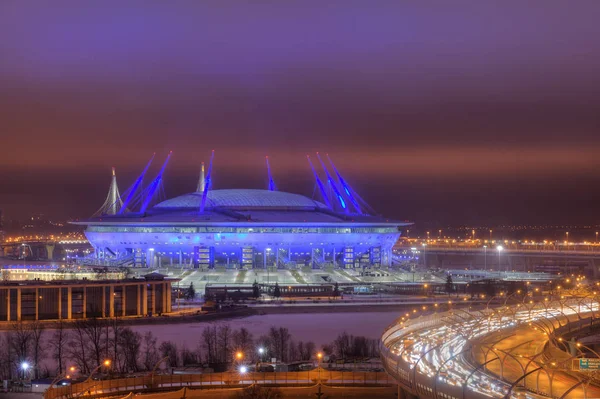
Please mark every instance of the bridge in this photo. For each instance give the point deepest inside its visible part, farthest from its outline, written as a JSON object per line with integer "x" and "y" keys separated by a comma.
{"x": 320, "y": 378}
{"x": 503, "y": 258}
{"x": 43, "y": 249}
{"x": 514, "y": 351}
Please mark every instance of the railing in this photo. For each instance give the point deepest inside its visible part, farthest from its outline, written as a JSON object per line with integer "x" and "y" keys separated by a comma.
{"x": 219, "y": 380}
{"x": 123, "y": 260}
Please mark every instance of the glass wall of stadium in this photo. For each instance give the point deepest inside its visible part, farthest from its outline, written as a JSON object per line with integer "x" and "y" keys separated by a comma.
{"x": 244, "y": 247}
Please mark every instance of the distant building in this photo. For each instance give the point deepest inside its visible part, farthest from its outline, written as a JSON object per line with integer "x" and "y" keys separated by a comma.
{"x": 1, "y": 226}
{"x": 55, "y": 272}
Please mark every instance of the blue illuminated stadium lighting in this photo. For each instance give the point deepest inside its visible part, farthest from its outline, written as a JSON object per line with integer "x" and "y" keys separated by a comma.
{"x": 151, "y": 191}
{"x": 333, "y": 185}
{"x": 207, "y": 183}
{"x": 271, "y": 181}
{"x": 342, "y": 202}
{"x": 319, "y": 183}
{"x": 347, "y": 188}
{"x": 134, "y": 188}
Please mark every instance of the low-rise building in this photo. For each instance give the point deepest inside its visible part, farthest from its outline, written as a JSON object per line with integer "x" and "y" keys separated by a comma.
{"x": 80, "y": 299}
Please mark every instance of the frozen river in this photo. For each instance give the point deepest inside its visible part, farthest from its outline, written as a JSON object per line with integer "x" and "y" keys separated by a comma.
{"x": 321, "y": 328}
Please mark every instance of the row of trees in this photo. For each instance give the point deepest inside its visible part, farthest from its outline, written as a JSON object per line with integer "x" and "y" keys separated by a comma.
{"x": 89, "y": 342}
{"x": 84, "y": 344}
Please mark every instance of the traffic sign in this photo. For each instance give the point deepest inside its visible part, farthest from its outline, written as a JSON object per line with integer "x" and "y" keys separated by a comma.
{"x": 586, "y": 364}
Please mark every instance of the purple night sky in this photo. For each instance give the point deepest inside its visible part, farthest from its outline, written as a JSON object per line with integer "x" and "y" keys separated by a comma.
{"x": 449, "y": 112}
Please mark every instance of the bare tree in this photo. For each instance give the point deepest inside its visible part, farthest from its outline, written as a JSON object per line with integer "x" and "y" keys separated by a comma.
{"x": 6, "y": 357}
{"x": 58, "y": 345}
{"x": 279, "y": 340}
{"x": 37, "y": 330}
{"x": 188, "y": 357}
{"x": 129, "y": 345}
{"x": 342, "y": 345}
{"x": 20, "y": 341}
{"x": 346, "y": 345}
{"x": 93, "y": 329}
{"x": 309, "y": 350}
{"x": 149, "y": 352}
{"x": 88, "y": 344}
{"x": 295, "y": 350}
{"x": 168, "y": 348}
{"x": 112, "y": 340}
{"x": 209, "y": 344}
{"x": 78, "y": 349}
{"x": 224, "y": 340}
{"x": 244, "y": 342}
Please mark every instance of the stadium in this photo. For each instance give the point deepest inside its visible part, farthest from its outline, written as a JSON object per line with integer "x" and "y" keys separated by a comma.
{"x": 241, "y": 228}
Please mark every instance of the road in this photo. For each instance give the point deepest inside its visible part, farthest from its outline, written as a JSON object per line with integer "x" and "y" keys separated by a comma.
{"x": 443, "y": 356}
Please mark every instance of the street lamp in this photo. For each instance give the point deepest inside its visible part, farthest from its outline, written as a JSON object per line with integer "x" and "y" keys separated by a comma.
{"x": 24, "y": 367}
{"x": 65, "y": 374}
{"x": 106, "y": 363}
{"x": 261, "y": 352}
{"x": 268, "y": 252}
{"x": 485, "y": 257}
{"x": 499, "y": 248}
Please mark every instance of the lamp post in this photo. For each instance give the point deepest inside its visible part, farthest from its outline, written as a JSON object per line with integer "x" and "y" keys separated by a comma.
{"x": 24, "y": 367}
{"x": 567, "y": 240}
{"x": 61, "y": 375}
{"x": 485, "y": 257}
{"x": 106, "y": 364}
{"x": 499, "y": 248}
{"x": 261, "y": 352}
{"x": 268, "y": 250}
{"x": 319, "y": 357}
{"x": 155, "y": 368}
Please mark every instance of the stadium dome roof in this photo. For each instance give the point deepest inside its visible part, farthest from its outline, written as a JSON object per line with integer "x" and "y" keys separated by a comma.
{"x": 241, "y": 199}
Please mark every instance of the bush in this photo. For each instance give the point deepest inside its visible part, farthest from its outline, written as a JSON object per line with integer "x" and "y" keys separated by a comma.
{"x": 258, "y": 392}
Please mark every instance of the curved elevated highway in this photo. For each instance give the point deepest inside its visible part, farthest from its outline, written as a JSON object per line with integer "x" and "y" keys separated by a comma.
{"x": 516, "y": 351}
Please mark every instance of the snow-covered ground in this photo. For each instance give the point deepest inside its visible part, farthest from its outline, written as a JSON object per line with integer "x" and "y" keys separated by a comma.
{"x": 321, "y": 328}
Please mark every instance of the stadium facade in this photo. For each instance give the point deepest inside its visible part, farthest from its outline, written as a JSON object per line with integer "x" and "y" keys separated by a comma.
{"x": 243, "y": 228}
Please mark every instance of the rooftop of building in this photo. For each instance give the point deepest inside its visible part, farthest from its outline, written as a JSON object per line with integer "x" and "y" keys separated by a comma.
{"x": 153, "y": 277}
{"x": 235, "y": 206}
{"x": 242, "y": 199}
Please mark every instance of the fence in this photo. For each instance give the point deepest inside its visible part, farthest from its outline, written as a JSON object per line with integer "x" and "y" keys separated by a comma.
{"x": 218, "y": 380}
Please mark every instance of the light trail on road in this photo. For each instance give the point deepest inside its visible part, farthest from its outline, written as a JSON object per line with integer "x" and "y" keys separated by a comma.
{"x": 430, "y": 355}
